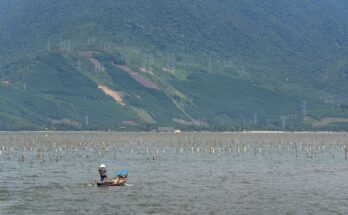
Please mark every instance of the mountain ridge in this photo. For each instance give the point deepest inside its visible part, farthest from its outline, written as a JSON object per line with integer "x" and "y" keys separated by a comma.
{"x": 259, "y": 62}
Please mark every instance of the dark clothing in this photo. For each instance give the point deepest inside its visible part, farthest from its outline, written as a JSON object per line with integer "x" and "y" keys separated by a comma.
{"x": 102, "y": 177}
{"x": 102, "y": 173}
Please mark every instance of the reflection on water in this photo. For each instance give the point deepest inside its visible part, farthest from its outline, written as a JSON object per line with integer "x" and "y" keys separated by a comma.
{"x": 187, "y": 173}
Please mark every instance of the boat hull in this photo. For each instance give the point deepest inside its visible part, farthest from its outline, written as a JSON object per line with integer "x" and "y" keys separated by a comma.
{"x": 113, "y": 183}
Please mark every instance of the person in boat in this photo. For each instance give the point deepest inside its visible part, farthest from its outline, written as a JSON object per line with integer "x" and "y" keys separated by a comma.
{"x": 102, "y": 173}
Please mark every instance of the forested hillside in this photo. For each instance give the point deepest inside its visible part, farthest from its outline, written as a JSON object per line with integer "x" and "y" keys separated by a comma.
{"x": 246, "y": 64}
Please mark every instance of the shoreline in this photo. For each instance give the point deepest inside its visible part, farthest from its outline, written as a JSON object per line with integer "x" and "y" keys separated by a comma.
{"x": 188, "y": 132}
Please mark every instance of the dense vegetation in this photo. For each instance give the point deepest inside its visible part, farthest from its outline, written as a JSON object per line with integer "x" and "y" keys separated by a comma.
{"x": 220, "y": 63}
{"x": 56, "y": 96}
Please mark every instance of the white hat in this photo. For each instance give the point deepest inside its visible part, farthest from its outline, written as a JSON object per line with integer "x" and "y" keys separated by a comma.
{"x": 102, "y": 165}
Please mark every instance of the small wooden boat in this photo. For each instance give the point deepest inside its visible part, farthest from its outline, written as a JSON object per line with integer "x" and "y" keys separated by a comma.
{"x": 120, "y": 180}
{"x": 114, "y": 182}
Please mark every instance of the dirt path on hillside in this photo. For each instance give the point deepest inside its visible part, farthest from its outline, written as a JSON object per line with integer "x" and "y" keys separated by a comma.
{"x": 114, "y": 94}
{"x": 139, "y": 78}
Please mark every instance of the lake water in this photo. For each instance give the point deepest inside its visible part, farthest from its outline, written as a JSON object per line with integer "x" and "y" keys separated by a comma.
{"x": 186, "y": 173}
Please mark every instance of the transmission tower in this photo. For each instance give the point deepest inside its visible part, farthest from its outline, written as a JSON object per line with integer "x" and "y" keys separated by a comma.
{"x": 144, "y": 60}
{"x": 48, "y": 45}
{"x": 79, "y": 64}
{"x": 304, "y": 110}
{"x": 171, "y": 61}
{"x": 283, "y": 119}
{"x": 151, "y": 62}
{"x": 210, "y": 66}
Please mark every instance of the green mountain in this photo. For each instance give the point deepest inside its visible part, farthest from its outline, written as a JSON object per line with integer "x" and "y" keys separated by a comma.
{"x": 246, "y": 64}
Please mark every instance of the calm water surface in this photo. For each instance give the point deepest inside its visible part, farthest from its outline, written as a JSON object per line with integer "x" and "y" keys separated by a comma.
{"x": 202, "y": 173}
